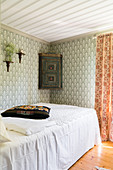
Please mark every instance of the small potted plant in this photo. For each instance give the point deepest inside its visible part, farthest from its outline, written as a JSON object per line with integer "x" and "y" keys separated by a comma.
{"x": 10, "y": 50}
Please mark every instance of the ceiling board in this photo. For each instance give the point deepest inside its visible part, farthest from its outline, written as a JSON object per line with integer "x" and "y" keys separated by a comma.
{"x": 52, "y": 20}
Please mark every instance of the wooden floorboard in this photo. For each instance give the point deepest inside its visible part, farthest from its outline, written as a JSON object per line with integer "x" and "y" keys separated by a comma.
{"x": 101, "y": 155}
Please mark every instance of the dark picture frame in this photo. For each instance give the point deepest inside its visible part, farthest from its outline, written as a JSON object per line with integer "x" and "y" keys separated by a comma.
{"x": 50, "y": 71}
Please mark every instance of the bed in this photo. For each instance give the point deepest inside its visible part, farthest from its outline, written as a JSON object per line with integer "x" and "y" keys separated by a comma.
{"x": 75, "y": 130}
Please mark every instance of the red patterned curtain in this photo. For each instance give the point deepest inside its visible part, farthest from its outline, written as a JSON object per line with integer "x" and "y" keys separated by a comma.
{"x": 104, "y": 85}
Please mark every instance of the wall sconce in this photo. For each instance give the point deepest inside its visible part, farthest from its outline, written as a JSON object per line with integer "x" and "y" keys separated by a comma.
{"x": 9, "y": 49}
{"x": 20, "y": 53}
{"x": 8, "y": 64}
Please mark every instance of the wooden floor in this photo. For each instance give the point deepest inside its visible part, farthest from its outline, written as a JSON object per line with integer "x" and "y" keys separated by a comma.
{"x": 101, "y": 156}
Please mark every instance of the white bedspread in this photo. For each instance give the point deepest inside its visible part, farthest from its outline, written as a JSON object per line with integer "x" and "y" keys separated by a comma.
{"x": 56, "y": 147}
{"x": 27, "y": 126}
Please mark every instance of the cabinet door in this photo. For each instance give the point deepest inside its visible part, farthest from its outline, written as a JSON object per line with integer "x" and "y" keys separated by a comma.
{"x": 50, "y": 72}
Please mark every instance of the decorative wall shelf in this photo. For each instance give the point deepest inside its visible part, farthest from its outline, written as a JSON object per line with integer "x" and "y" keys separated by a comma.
{"x": 8, "y": 64}
{"x": 20, "y": 55}
{"x": 50, "y": 71}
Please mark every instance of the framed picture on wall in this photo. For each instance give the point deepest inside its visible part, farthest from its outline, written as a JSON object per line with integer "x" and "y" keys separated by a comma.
{"x": 50, "y": 71}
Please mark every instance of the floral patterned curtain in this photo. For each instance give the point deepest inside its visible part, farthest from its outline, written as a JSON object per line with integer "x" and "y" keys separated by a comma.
{"x": 104, "y": 85}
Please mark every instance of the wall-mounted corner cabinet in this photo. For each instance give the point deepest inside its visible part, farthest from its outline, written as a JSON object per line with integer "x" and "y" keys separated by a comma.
{"x": 50, "y": 71}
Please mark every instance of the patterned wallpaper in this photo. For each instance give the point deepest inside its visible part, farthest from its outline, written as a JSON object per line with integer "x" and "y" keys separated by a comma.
{"x": 20, "y": 84}
{"x": 78, "y": 72}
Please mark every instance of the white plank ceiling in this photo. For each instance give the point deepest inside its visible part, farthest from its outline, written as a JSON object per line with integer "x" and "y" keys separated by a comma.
{"x": 53, "y": 20}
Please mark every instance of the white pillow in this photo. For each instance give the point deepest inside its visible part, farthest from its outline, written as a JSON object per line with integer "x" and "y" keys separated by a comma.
{"x": 4, "y": 137}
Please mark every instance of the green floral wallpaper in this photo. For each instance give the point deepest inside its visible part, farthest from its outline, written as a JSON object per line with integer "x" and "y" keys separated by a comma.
{"x": 20, "y": 84}
{"x": 78, "y": 72}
